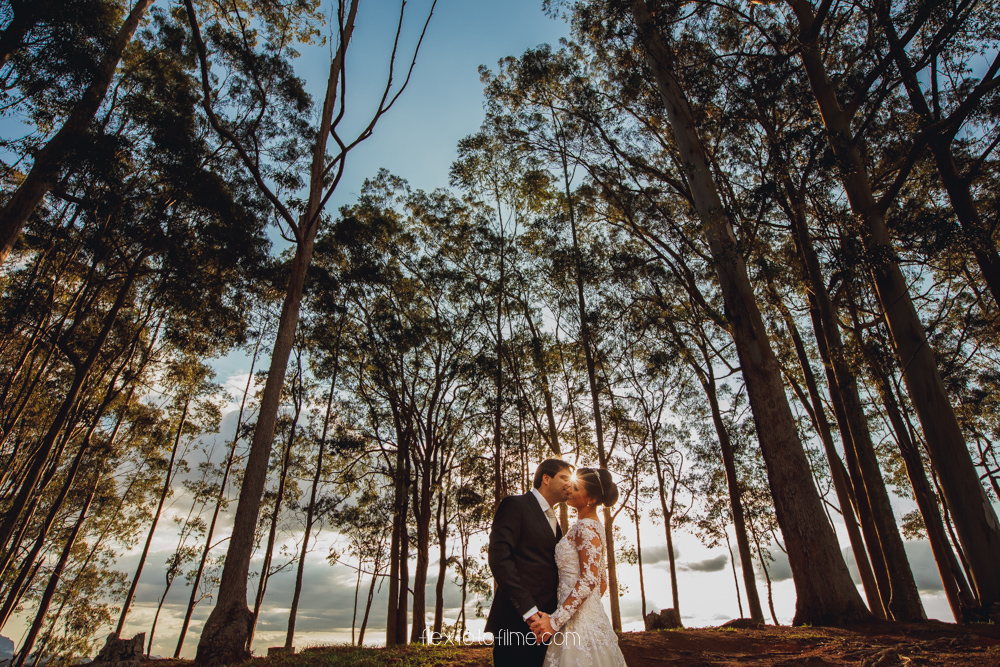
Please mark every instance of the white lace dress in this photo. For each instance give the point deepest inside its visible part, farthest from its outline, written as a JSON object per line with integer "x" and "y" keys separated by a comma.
{"x": 584, "y": 637}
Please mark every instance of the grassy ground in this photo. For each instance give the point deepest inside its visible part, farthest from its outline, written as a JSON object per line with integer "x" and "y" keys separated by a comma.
{"x": 414, "y": 655}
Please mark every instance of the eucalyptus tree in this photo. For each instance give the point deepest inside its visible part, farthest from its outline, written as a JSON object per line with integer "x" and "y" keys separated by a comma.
{"x": 422, "y": 338}
{"x": 975, "y": 518}
{"x": 492, "y": 169}
{"x": 616, "y": 31}
{"x": 257, "y": 108}
{"x": 139, "y": 206}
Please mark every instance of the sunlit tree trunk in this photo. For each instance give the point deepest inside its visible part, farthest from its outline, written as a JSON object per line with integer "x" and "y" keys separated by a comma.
{"x": 897, "y": 588}
{"x": 841, "y": 482}
{"x": 956, "y": 589}
{"x": 265, "y": 568}
{"x": 225, "y": 636}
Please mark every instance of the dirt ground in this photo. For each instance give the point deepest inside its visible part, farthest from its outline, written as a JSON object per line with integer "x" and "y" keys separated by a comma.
{"x": 883, "y": 645}
{"x": 930, "y": 644}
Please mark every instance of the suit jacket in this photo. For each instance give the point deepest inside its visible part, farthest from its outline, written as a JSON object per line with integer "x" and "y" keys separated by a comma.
{"x": 522, "y": 558}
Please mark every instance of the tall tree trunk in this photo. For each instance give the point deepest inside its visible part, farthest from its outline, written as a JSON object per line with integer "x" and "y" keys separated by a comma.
{"x": 590, "y": 355}
{"x": 228, "y": 628}
{"x": 736, "y": 504}
{"x": 825, "y": 592}
{"x": 422, "y": 510}
{"x": 736, "y": 579}
{"x": 638, "y": 553}
{"x": 975, "y": 519}
{"x": 956, "y": 589}
{"x": 897, "y": 588}
{"x": 368, "y": 604}
{"x": 310, "y": 513}
{"x": 395, "y": 629}
{"x": 841, "y": 481}
{"x": 286, "y": 458}
{"x": 668, "y": 512}
{"x": 50, "y": 589}
{"x": 442, "y": 539}
{"x": 156, "y": 616}
{"x": 48, "y": 161}
{"x": 164, "y": 492}
{"x": 499, "y": 487}
{"x": 219, "y": 500}
{"x": 404, "y": 577}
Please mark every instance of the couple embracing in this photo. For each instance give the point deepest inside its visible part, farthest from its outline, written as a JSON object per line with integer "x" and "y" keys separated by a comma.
{"x": 547, "y": 605}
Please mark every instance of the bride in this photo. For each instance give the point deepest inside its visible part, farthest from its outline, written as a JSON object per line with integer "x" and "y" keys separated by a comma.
{"x": 580, "y": 630}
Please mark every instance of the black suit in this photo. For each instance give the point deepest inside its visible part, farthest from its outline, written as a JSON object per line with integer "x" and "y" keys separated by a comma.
{"x": 522, "y": 559}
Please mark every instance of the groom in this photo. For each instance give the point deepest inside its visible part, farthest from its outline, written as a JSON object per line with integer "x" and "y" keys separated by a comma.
{"x": 522, "y": 558}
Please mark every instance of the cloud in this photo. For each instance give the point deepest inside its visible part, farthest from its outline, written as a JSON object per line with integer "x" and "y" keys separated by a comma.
{"x": 923, "y": 565}
{"x": 657, "y": 554}
{"x": 708, "y": 565}
{"x": 779, "y": 570}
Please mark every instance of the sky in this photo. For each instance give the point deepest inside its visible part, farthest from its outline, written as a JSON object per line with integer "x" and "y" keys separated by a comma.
{"x": 417, "y": 141}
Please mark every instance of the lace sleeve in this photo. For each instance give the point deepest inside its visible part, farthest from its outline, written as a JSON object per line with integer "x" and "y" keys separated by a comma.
{"x": 587, "y": 541}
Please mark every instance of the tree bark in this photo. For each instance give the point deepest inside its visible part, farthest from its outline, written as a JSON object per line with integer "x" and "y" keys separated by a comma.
{"x": 960, "y": 598}
{"x": 825, "y": 592}
{"x": 897, "y": 588}
{"x": 841, "y": 480}
{"x": 265, "y": 568}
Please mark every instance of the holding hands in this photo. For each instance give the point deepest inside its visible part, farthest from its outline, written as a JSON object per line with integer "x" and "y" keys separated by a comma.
{"x": 541, "y": 626}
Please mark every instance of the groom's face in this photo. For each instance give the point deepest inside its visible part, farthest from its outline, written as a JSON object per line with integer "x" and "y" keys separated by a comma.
{"x": 560, "y": 487}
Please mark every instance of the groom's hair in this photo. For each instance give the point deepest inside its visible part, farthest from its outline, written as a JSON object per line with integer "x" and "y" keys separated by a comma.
{"x": 550, "y": 467}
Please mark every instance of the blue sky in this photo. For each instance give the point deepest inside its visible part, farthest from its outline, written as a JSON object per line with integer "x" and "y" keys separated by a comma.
{"x": 444, "y": 100}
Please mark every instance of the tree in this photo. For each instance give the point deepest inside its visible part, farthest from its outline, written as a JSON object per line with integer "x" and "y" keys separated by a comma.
{"x": 224, "y": 637}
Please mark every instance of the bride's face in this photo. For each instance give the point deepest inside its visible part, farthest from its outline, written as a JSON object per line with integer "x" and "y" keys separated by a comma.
{"x": 578, "y": 499}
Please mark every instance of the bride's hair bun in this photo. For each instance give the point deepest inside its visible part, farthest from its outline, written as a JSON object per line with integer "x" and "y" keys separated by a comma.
{"x": 610, "y": 488}
{"x": 599, "y": 485}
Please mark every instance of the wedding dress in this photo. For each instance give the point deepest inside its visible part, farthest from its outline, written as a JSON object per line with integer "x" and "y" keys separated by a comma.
{"x": 584, "y": 636}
